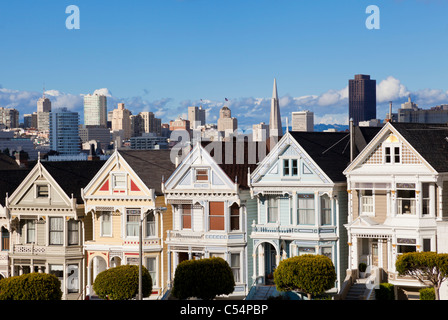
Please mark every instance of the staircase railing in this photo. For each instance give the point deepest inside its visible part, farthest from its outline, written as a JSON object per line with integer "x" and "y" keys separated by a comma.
{"x": 350, "y": 278}
{"x": 258, "y": 280}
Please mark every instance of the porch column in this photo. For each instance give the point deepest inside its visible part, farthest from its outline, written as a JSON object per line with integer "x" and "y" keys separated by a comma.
{"x": 89, "y": 280}
{"x": 355, "y": 253}
{"x": 261, "y": 271}
{"x": 294, "y": 208}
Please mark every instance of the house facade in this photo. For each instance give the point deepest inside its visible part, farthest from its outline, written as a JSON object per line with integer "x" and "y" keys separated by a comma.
{"x": 397, "y": 188}
{"x": 301, "y": 202}
{"x": 211, "y": 204}
{"x": 123, "y": 193}
{"x": 45, "y": 220}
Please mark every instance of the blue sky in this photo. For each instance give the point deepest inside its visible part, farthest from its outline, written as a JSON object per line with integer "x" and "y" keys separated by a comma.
{"x": 163, "y": 55}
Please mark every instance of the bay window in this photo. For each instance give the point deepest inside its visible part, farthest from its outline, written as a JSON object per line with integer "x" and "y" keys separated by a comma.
{"x": 132, "y": 222}
{"x": 56, "y": 231}
{"x": 216, "y": 215}
{"x": 305, "y": 208}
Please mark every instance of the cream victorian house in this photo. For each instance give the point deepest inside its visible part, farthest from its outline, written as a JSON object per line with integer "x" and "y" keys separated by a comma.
{"x": 123, "y": 193}
{"x": 397, "y": 187}
{"x": 45, "y": 217}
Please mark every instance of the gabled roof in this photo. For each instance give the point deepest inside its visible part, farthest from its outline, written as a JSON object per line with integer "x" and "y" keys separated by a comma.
{"x": 71, "y": 176}
{"x": 331, "y": 150}
{"x": 150, "y": 165}
{"x": 429, "y": 140}
{"x": 240, "y": 164}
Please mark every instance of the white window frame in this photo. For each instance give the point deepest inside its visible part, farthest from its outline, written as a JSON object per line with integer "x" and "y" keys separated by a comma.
{"x": 114, "y": 181}
{"x": 361, "y": 204}
{"x": 102, "y": 232}
{"x": 155, "y": 279}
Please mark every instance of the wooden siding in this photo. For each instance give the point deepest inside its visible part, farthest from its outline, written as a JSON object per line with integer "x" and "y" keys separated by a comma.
{"x": 380, "y": 206}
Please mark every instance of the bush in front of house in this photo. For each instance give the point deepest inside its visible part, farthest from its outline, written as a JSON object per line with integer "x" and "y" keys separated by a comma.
{"x": 427, "y": 294}
{"x": 121, "y": 283}
{"x": 204, "y": 279}
{"x": 31, "y": 286}
{"x": 385, "y": 292}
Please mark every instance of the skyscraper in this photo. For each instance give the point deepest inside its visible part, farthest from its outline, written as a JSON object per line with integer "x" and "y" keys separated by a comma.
{"x": 121, "y": 121}
{"x": 362, "y": 98}
{"x": 43, "y": 113}
{"x": 64, "y": 131}
{"x": 275, "y": 121}
{"x": 95, "y": 110}
{"x": 196, "y": 116}
{"x": 226, "y": 124}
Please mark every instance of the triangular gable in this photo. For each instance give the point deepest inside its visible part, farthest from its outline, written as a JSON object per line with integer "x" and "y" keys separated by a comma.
{"x": 288, "y": 146}
{"x": 372, "y": 154}
{"x": 185, "y": 175}
{"x": 103, "y": 182}
{"x": 26, "y": 193}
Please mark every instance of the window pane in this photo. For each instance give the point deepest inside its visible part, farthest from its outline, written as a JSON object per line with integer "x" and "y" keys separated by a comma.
{"x": 235, "y": 266}
{"x": 397, "y": 154}
{"x": 272, "y": 209}
{"x": 56, "y": 231}
{"x": 234, "y": 217}
{"x": 325, "y": 210}
{"x": 73, "y": 232}
{"x": 150, "y": 225}
{"x": 216, "y": 215}
{"x": 106, "y": 224}
{"x": 202, "y": 174}
{"x": 286, "y": 167}
{"x": 132, "y": 222}
{"x": 42, "y": 191}
{"x": 305, "y": 205}
{"x": 294, "y": 167}
{"x": 186, "y": 216}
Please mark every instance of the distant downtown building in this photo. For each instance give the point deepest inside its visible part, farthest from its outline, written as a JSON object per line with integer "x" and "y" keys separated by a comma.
{"x": 226, "y": 124}
{"x": 410, "y": 112}
{"x": 121, "y": 122}
{"x": 64, "y": 132}
{"x": 362, "y": 98}
{"x": 303, "y": 121}
{"x": 196, "y": 116}
{"x": 43, "y": 113}
{"x": 275, "y": 120}
{"x": 9, "y": 117}
{"x": 95, "y": 110}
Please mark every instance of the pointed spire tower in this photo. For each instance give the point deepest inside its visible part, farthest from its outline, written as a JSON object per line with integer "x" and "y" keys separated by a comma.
{"x": 275, "y": 121}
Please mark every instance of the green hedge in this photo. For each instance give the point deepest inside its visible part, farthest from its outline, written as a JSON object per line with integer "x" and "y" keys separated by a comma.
{"x": 121, "y": 283}
{"x": 385, "y": 292}
{"x": 31, "y": 286}
{"x": 204, "y": 279}
{"x": 427, "y": 294}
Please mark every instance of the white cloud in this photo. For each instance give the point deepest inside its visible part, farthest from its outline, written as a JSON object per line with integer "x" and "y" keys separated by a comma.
{"x": 390, "y": 89}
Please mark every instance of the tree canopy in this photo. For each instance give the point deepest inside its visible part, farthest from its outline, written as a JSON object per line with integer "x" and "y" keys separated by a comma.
{"x": 430, "y": 268}
{"x": 121, "y": 283}
{"x": 31, "y": 286}
{"x": 204, "y": 279}
{"x": 309, "y": 273}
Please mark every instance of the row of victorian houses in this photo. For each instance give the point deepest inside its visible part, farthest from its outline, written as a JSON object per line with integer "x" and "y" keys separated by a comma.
{"x": 367, "y": 195}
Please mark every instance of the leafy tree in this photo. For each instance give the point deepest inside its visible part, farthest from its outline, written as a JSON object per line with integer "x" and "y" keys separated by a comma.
{"x": 309, "y": 273}
{"x": 430, "y": 268}
{"x": 121, "y": 283}
{"x": 204, "y": 279}
{"x": 31, "y": 286}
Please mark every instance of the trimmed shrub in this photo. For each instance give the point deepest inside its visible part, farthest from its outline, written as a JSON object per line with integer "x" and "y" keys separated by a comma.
{"x": 204, "y": 279}
{"x": 308, "y": 273}
{"x": 121, "y": 283}
{"x": 31, "y": 286}
{"x": 427, "y": 294}
{"x": 385, "y": 292}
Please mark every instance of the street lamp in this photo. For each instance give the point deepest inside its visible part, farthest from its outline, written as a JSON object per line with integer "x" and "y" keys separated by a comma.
{"x": 140, "y": 248}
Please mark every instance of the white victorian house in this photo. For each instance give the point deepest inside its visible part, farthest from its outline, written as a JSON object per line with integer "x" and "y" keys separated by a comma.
{"x": 302, "y": 201}
{"x": 211, "y": 205}
{"x": 397, "y": 190}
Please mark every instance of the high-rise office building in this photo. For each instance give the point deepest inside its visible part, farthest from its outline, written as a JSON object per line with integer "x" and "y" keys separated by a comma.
{"x": 361, "y": 98}
{"x": 196, "y": 116}
{"x": 43, "y": 113}
{"x": 226, "y": 124}
{"x": 121, "y": 121}
{"x": 9, "y": 117}
{"x": 95, "y": 110}
{"x": 64, "y": 131}
{"x": 302, "y": 121}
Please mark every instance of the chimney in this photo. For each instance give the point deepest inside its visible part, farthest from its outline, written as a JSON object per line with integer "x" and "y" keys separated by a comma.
{"x": 92, "y": 154}
{"x": 22, "y": 158}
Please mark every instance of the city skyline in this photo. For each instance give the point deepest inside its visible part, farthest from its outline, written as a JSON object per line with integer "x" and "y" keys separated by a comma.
{"x": 169, "y": 55}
